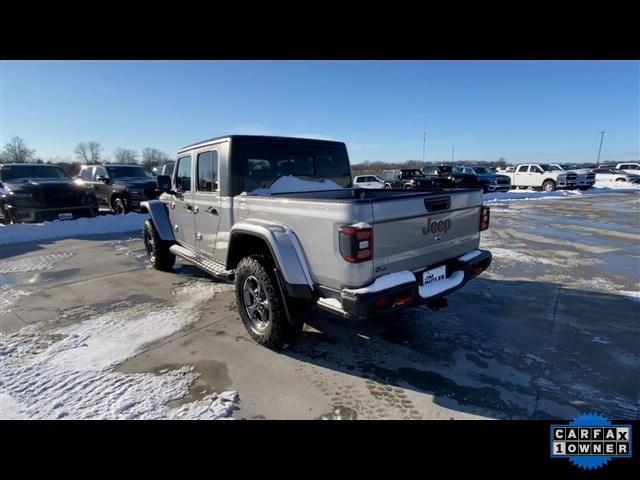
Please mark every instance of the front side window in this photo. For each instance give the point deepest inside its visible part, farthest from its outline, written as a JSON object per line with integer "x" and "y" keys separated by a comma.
{"x": 183, "y": 174}
{"x": 208, "y": 171}
{"x": 99, "y": 172}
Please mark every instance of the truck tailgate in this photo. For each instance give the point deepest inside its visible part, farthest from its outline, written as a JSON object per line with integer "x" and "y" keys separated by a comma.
{"x": 417, "y": 231}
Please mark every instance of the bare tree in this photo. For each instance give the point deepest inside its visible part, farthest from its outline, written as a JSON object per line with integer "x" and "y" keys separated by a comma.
{"x": 88, "y": 152}
{"x": 126, "y": 156}
{"x": 16, "y": 151}
{"x": 152, "y": 157}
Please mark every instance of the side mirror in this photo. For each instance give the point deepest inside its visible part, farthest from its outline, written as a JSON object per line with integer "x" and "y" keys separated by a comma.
{"x": 100, "y": 178}
{"x": 163, "y": 183}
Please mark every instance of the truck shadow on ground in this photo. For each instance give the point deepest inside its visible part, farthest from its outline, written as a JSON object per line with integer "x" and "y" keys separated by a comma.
{"x": 502, "y": 349}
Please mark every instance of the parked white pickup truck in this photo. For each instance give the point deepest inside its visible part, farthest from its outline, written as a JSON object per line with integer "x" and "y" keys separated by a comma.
{"x": 630, "y": 168}
{"x": 541, "y": 175}
{"x": 586, "y": 178}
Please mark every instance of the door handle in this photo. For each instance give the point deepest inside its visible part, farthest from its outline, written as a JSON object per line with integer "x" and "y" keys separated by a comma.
{"x": 212, "y": 211}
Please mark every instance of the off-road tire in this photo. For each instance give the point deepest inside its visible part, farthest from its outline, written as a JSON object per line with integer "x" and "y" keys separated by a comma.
{"x": 549, "y": 186}
{"x": 277, "y": 328}
{"x": 158, "y": 252}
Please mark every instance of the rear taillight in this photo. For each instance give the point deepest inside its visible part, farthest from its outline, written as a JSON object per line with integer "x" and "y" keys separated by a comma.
{"x": 484, "y": 218}
{"x": 356, "y": 244}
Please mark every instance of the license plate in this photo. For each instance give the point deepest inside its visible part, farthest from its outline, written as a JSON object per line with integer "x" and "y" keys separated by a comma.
{"x": 434, "y": 275}
{"x": 65, "y": 216}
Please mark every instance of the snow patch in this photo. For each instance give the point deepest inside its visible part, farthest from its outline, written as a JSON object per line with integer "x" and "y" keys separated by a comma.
{"x": 9, "y": 296}
{"x": 436, "y": 288}
{"x": 33, "y": 264}
{"x": 65, "y": 372}
{"x": 29, "y": 232}
{"x": 361, "y": 225}
{"x": 468, "y": 256}
{"x": 597, "y": 189}
{"x": 384, "y": 282}
{"x": 631, "y": 294}
{"x": 289, "y": 183}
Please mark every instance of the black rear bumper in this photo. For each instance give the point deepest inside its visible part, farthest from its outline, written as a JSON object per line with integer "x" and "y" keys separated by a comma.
{"x": 408, "y": 294}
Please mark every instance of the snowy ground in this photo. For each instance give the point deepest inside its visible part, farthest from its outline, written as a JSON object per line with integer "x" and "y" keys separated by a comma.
{"x": 88, "y": 330}
{"x": 602, "y": 188}
{"x": 51, "y": 372}
{"x": 99, "y": 225}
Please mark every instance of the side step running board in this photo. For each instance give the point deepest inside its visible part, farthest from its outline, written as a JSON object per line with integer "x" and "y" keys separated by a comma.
{"x": 214, "y": 268}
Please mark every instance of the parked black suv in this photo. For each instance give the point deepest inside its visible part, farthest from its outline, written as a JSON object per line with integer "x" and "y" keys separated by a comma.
{"x": 452, "y": 177}
{"x": 408, "y": 178}
{"x": 31, "y": 192}
{"x": 120, "y": 188}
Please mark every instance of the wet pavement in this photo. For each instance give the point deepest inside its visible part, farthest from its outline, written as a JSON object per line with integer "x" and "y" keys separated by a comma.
{"x": 551, "y": 330}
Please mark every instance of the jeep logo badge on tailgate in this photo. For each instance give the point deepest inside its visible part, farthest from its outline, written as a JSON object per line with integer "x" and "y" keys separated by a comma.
{"x": 437, "y": 226}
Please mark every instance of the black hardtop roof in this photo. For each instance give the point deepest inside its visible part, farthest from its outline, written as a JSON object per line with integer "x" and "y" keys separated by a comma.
{"x": 262, "y": 139}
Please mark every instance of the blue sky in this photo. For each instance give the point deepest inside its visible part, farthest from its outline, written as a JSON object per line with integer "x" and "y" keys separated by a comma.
{"x": 522, "y": 111}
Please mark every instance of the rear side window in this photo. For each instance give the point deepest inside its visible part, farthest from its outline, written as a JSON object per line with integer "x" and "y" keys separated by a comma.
{"x": 522, "y": 168}
{"x": 183, "y": 174}
{"x": 360, "y": 179}
{"x": 208, "y": 171}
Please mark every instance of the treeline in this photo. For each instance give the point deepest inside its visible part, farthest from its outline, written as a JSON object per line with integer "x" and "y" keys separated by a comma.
{"x": 377, "y": 166}
{"x": 85, "y": 153}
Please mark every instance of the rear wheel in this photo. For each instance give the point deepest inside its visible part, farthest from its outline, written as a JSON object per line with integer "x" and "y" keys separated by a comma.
{"x": 259, "y": 302}
{"x": 157, "y": 249}
{"x": 548, "y": 186}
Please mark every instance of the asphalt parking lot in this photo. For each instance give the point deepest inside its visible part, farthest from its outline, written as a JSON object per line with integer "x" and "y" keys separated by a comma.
{"x": 549, "y": 331}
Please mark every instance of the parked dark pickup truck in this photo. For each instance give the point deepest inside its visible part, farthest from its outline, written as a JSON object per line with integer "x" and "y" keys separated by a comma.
{"x": 451, "y": 177}
{"x": 35, "y": 192}
{"x": 281, "y": 216}
{"x": 120, "y": 188}
{"x": 408, "y": 178}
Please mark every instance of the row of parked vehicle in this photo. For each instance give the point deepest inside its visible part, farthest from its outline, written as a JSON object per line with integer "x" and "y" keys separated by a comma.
{"x": 542, "y": 176}
{"x": 39, "y": 192}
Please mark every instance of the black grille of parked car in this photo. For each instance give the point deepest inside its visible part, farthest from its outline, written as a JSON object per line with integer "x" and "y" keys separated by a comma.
{"x": 572, "y": 177}
{"x": 150, "y": 192}
{"x": 591, "y": 176}
{"x": 502, "y": 180}
{"x": 60, "y": 197}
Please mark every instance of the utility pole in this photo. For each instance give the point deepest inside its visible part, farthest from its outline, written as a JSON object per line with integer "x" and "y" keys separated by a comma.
{"x": 424, "y": 140}
{"x": 453, "y": 151}
{"x": 600, "y": 149}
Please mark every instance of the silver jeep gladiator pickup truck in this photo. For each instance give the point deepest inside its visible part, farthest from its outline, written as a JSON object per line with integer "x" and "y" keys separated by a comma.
{"x": 281, "y": 216}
